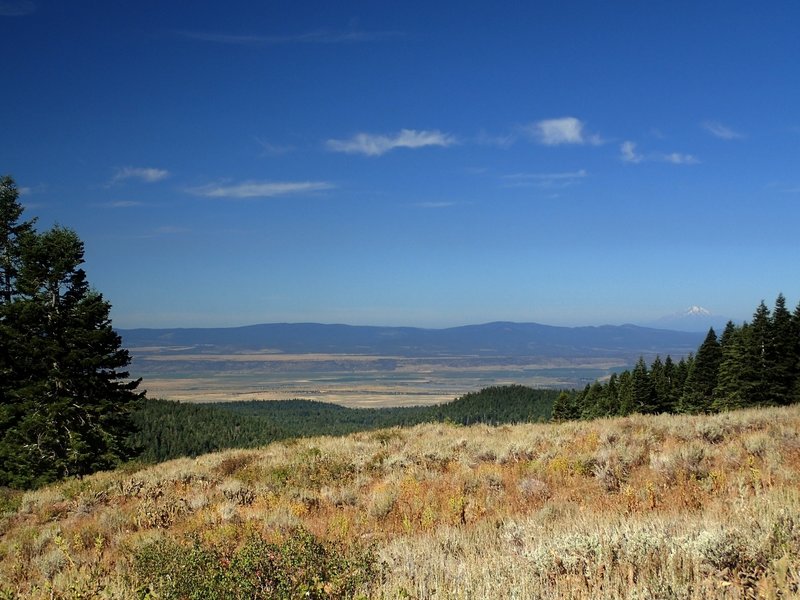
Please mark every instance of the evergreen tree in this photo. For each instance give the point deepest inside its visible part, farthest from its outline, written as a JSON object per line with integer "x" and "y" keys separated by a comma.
{"x": 11, "y": 230}
{"x": 661, "y": 386}
{"x": 735, "y": 370}
{"x": 796, "y": 328}
{"x": 66, "y": 398}
{"x": 781, "y": 355}
{"x": 698, "y": 390}
{"x": 625, "y": 394}
{"x": 593, "y": 403}
{"x": 758, "y": 387}
{"x": 565, "y": 407}
{"x": 611, "y": 396}
{"x": 669, "y": 400}
{"x": 679, "y": 380}
{"x": 642, "y": 389}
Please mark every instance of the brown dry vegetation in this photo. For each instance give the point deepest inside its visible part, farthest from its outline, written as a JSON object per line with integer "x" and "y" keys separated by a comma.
{"x": 638, "y": 507}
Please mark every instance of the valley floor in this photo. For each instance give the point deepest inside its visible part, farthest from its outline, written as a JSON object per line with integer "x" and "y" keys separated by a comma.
{"x": 352, "y": 380}
{"x": 638, "y": 507}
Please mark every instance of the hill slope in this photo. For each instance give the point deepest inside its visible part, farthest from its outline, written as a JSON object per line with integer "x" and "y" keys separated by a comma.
{"x": 667, "y": 506}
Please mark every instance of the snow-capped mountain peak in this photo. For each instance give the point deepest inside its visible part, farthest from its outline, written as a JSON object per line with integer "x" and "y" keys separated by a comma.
{"x": 694, "y": 318}
{"x": 696, "y": 311}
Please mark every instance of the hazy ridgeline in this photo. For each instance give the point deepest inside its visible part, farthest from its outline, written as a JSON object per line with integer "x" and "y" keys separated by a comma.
{"x": 670, "y": 506}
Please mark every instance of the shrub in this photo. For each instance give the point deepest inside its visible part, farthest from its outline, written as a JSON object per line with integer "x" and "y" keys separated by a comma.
{"x": 10, "y": 500}
{"x": 301, "y": 566}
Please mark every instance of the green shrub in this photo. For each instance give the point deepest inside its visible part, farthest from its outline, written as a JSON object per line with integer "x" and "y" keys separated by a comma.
{"x": 10, "y": 500}
{"x": 299, "y": 566}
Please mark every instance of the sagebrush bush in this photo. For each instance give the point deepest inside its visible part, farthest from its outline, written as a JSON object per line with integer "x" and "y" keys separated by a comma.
{"x": 299, "y": 566}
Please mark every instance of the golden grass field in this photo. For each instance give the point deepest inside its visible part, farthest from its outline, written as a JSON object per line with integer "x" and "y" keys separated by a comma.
{"x": 640, "y": 507}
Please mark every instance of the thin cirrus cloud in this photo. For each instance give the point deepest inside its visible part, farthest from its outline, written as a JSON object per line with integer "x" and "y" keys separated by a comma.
{"x": 629, "y": 154}
{"x": 311, "y": 37}
{"x": 16, "y": 8}
{"x": 260, "y": 189}
{"x": 119, "y": 204}
{"x": 721, "y": 131}
{"x": 145, "y": 174}
{"x": 561, "y": 131}
{"x": 376, "y": 145}
{"x": 544, "y": 180}
{"x": 439, "y": 204}
{"x": 678, "y": 158}
{"x": 270, "y": 149}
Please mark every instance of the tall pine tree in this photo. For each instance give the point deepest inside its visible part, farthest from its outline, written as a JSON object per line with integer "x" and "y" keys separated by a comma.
{"x": 736, "y": 370}
{"x": 781, "y": 356}
{"x": 642, "y": 389}
{"x": 796, "y": 329}
{"x": 702, "y": 377}
{"x": 67, "y": 400}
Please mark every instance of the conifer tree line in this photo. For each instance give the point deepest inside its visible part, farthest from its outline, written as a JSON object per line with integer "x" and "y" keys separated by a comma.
{"x": 753, "y": 364}
{"x": 65, "y": 398}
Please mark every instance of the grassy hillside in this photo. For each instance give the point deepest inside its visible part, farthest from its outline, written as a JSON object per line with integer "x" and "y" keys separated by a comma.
{"x": 635, "y": 507}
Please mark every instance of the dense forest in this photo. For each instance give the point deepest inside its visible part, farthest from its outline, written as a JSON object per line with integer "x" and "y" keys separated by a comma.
{"x": 753, "y": 364}
{"x": 171, "y": 429}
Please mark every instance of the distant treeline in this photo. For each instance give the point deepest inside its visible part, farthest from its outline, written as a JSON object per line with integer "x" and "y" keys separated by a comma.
{"x": 172, "y": 429}
{"x": 754, "y": 364}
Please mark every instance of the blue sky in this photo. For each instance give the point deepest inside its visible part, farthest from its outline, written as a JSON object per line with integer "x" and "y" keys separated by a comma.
{"x": 411, "y": 163}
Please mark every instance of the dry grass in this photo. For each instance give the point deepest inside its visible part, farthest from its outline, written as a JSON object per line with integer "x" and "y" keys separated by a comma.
{"x": 641, "y": 507}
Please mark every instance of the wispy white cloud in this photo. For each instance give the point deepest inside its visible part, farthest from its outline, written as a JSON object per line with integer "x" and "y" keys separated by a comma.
{"x": 721, "y": 131}
{"x": 273, "y": 149}
{"x": 16, "y": 8}
{"x": 784, "y": 187}
{"x": 545, "y": 180}
{"x": 376, "y": 145}
{"x": 500, "y": 141}
{"x": 260, "y": 189}
{"x": 677, "y": 158}
{"x": 351, "y": 36}
{"x": 169, "y": 230}
{"x": 441, "y": 204}
{"x": 146, "y": 174}
{"x": 550, "y": 176}
{"x": 565, "y": 130}
{"x": 27, "y": 190}
{"x": 119, "y": 204}
{"x": 628, "y": 153}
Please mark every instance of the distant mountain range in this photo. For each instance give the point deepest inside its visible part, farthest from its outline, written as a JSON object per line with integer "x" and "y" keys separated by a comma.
{"x": 486, "y": 340}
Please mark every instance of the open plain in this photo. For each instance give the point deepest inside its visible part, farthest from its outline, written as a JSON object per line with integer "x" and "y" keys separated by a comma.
{"x": 357, "y": 381}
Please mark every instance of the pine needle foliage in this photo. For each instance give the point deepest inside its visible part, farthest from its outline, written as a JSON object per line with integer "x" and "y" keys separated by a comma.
{"x": 65, "y": 396}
